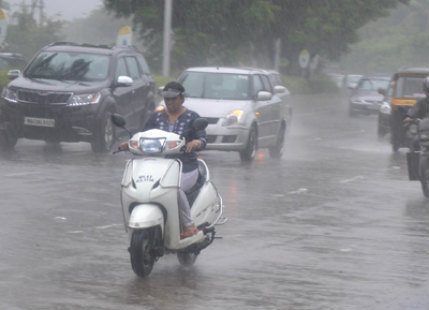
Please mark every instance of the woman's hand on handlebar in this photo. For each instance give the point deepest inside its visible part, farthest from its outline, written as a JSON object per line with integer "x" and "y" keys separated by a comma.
{"x": 193, "y": 145}
{"x": 122, "y": 147}
{"x": 407, "y": 121}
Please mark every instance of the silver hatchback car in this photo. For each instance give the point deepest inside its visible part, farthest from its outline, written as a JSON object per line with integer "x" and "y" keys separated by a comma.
{"x": 244, "y": 110}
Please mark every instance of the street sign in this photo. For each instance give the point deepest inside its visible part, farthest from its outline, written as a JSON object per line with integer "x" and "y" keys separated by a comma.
{"x": 304, "y": 59}
{"x": 3, "y": 26}
{"x": 125, "y": 36}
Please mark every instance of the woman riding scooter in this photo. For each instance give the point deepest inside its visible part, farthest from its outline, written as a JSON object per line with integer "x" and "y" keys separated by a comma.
{"x": 176, "y": 118}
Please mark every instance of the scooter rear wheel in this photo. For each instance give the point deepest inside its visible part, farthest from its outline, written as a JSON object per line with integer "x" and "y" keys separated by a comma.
{"x": 186, "y": 259}
{"x": 141, "y": 256}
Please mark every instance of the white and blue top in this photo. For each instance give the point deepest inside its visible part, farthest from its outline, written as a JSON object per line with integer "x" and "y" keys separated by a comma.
{"x": 159, "y": 120}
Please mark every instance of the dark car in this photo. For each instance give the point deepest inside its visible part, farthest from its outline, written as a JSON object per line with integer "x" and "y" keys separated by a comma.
{"x": 68, "y": 91}
{"x": 365, "y": 97}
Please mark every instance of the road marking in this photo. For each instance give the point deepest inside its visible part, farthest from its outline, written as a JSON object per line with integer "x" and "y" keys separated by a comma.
{"x": 76, "y": 232}
{"x": 97, "y": 227}
{"x": 356, "y": 178}
{"x": 108, "y": 226}
{"x": 299, "y": 191}
{"x": 20, "y": 174}
{"x": 60, "y": 219}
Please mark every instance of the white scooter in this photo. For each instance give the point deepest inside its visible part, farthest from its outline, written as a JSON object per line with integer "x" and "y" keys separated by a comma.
{"x": 149, "y": 197}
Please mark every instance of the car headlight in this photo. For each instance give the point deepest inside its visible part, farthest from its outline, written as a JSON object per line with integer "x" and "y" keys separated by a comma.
{"x": 84, "y": 99}
{"x": 9, "y": 95}
{"x": 232, "y": 118}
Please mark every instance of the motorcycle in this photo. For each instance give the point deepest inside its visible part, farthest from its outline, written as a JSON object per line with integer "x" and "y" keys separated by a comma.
{"x": 418, "y": 156}
{"x": 149, "y": 198}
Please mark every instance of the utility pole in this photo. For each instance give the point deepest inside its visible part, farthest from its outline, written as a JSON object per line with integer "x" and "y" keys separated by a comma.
{"x": 277, "y": 53}
{"x": 41, "y": 12}
{"x": 168, "y": 4}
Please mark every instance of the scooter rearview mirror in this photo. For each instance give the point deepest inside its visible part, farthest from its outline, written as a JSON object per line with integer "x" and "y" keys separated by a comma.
{"x": 197, "y": 124}
{"x": 118, "y": 120}
{"x": 200, "y": 123}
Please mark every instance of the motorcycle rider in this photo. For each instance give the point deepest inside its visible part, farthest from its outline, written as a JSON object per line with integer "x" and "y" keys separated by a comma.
{"x": 178, "y": 119}
{"x": 419, "y": 110}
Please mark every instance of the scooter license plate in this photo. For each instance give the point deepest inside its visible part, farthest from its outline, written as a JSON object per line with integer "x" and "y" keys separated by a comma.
{"x": 39, "y": 122}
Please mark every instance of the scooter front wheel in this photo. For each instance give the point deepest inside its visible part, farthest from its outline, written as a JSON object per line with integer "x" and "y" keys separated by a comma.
{"x": 142, "y": 259}
{"x": 186, "y": 259}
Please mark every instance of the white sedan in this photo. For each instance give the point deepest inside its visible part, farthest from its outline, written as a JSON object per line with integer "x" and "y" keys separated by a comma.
{"x": 244, "y": 110}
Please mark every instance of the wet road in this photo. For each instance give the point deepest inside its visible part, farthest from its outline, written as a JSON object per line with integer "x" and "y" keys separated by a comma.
{"x": 335, "y": 224}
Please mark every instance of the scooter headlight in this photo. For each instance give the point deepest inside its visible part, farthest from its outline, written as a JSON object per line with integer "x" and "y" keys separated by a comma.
{"x": 424, "y": 135}
{"x": 413, "y": 129}
{"x": 148, "y": 145}
{"x": 385, "y": 108}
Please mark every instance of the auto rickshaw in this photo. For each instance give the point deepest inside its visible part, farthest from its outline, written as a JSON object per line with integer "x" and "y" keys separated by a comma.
{"x": 405, "y": 89}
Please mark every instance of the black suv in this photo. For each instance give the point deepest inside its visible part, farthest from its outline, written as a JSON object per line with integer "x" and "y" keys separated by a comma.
{"x": 68, "y": 91}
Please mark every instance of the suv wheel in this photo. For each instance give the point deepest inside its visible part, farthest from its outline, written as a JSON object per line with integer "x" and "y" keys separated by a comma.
{"x": 8, "y": 138}
{"x": 105, "y": 134}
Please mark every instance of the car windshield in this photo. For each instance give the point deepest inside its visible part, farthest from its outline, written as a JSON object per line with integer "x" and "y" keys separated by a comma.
{"x": 372, "y": 84}
{"x": 409, "y": 87}
{"x": 227, "y": 86}
{"x": 352, "y": 80}
{"x": 69, "y": 66}
{"x": 380, "y": 83}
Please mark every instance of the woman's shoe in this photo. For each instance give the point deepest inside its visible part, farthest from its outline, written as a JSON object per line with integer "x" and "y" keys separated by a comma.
{"x": 189, "y": 232}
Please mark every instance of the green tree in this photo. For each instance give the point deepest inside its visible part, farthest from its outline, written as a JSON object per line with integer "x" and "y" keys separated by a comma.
{"x": 244, "y": 31}
{"x": 28, "y": 36}
{"x": 396, "y": 41}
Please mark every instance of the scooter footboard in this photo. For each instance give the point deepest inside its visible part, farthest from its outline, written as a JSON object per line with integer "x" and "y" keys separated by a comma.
{"x": 145, "y": 216}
